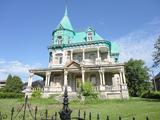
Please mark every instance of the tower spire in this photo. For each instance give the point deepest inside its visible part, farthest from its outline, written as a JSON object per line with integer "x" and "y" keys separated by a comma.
{"x": 66, "y": 11}
{"x": 65, "y": 22}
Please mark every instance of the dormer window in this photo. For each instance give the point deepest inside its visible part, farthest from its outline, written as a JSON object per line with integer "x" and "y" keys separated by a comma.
{"x": 89, "y": 36}
{"x": 59, "y": 40}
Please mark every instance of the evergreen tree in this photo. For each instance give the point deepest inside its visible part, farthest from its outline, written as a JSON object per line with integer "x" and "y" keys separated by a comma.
{"x": 137, "y": 77}
{"x": 156, "y": 53}
{"x": 13, "y": 84}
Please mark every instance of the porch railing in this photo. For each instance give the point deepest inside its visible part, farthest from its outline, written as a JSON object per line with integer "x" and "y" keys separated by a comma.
{"x": 111, "y": 88}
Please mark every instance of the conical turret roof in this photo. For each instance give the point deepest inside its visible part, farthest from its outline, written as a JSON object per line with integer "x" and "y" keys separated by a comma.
{"x": 65, "y": 22}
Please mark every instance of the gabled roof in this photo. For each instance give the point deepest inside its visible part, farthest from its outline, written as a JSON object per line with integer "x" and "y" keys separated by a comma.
{"x": 90, "y": 29}
{"x": 73, "y": 63}
{"x": 65, "y": 22}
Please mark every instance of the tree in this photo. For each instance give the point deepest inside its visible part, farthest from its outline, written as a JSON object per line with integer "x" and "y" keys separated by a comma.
{"x": 156, "y": 53}
{"x": 137, "y": 77}
{"x": 13, "y": 84}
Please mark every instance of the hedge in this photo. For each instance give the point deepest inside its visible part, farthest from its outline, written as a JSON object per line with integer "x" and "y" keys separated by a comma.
{"x": 151, "y": 94}
{"x": 11, "y": 95}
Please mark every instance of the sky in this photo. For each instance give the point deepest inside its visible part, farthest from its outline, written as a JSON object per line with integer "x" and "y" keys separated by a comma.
{"x": 26, "y": 27}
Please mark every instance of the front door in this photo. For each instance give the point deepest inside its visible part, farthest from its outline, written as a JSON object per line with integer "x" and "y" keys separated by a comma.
{"x": 78, "y": 83}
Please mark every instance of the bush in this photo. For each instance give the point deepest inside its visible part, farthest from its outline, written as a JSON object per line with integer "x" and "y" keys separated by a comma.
{"x": 11, "y": 95}
{"x": 36, "y": 93}
{"x": 2, "y": 90}
{"x": 87, "y": 90}
{"x": 151, "y": 94}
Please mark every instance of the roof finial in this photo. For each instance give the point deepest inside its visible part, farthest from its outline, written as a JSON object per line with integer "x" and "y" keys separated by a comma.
{"x": 66, "y": 12}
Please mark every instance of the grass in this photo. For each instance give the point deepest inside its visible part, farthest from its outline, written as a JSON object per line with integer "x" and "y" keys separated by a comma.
{"x": 137, "y": 107}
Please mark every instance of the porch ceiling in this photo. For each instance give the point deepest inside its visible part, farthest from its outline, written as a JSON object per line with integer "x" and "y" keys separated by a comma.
{"x": 74, "y": 70}
{"x": 41, "y": 74}
{"x": 106, "y": 69}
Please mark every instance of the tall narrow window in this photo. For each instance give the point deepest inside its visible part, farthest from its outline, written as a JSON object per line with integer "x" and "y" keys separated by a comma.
{"x": 59, "y": 58}
{"x": 59, "y": 40}
{"x": 50, "y": 56}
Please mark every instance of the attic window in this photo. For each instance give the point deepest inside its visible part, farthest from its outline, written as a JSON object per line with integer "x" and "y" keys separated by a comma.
{"x": 89, "y": 36}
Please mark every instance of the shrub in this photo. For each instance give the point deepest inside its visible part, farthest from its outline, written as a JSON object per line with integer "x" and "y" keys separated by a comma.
{"x": 151, "y": 94}
{"x": 36, "y": 93}
{"x": 87, "y": 90}
{"x": 2, "y": 90}
{"x": 11, "y": 95}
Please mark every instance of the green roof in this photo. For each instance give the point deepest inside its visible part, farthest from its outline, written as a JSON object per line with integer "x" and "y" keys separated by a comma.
{"x": 81, "y": 37}
{"x": 71, "y": 37}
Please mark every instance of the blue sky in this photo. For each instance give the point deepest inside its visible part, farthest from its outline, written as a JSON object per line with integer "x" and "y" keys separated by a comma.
{"x": 26, "y": 27}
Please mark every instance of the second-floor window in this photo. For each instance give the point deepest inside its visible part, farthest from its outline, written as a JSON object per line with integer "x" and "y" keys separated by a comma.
{"x": 92, "y": 56}
{"x": 50, "y": 56}
{"x": 59, "y": 58}
{"x": 77, "y": 57}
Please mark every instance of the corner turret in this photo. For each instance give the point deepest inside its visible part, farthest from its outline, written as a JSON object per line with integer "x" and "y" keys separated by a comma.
{"x": 63, "y": 34}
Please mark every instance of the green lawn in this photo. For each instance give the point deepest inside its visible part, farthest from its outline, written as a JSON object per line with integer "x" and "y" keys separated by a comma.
{"x": 137, "y": 107}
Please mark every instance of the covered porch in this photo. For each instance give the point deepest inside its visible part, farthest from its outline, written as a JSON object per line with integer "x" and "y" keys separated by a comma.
{"x": 103, "y": 78}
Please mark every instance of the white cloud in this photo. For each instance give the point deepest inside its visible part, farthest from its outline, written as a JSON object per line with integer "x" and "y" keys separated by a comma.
{"x": 139, "y": 44}
{"x": 2, "y": 61}
{"x": 15, "y": 68}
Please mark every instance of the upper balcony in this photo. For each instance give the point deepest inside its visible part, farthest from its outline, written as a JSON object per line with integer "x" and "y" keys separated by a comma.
{"x": 88, "y": 55}
{"x": 91, "y": 56}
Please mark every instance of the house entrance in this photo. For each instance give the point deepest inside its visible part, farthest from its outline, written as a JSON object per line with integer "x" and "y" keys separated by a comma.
{"x": 78, "y": 83}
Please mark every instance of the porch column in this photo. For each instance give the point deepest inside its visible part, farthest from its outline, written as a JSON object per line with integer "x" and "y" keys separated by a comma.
{"x": 65, "y": 77}
{"x": 83, "y": 76}
{"x": 108, "y": 55}
{"x": 121, "y": 79}
{"x": 47, "y": 79}
{"x": 100, "y": 76}
{"x": 98, "y": 53}
{"x": 71, "y": 55}
{"x": 83, "y": 54}
{"x": 124, "y": 78}
{"x": 103, "y": 77}
{"x": 30, "y": 79}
